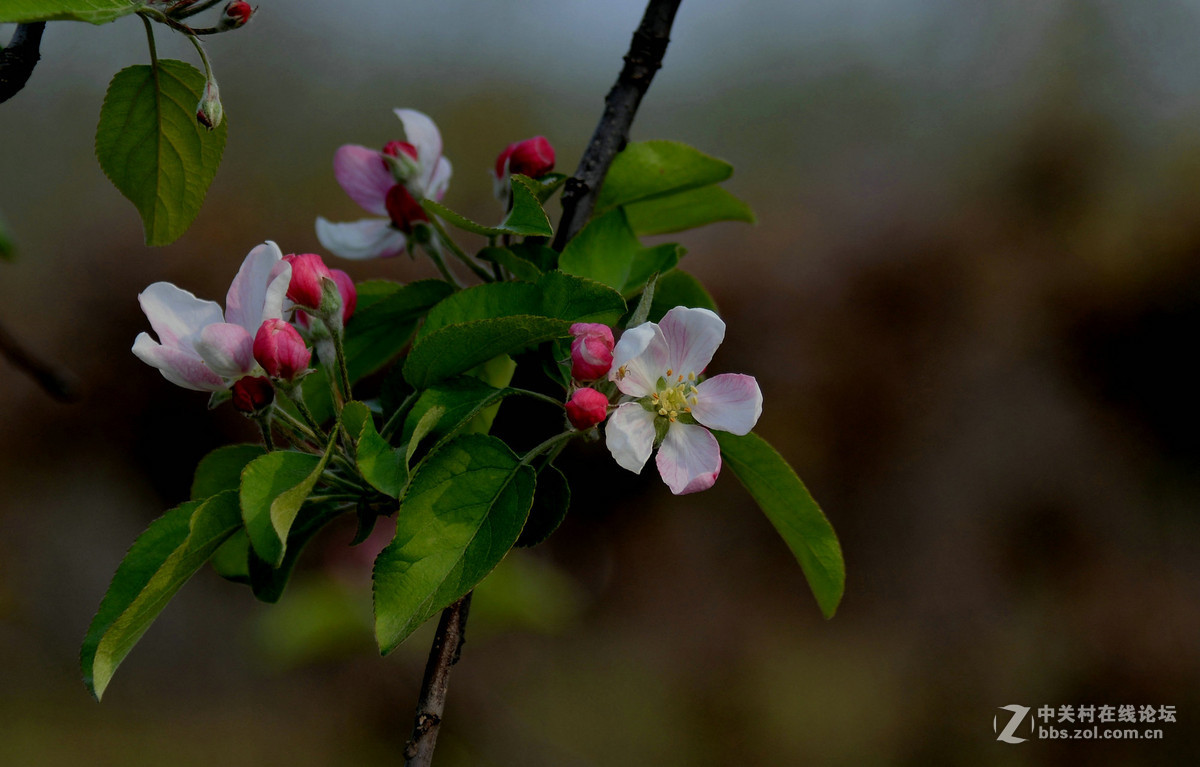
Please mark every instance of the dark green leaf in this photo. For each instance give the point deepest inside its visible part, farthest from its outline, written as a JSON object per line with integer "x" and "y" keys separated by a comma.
{"x": 793, "y": 512}
{"x": 456, "y": 401}
{"x": 537, "y": 253}
{"x": 567, "y": 297}
{"x": 153, "y": 150}
{"x": 232, "y": 560}
{"x": 458, "y": 348}
{"x": 519, "y": 267}
{"x": 268, "y": 582}
{"x": 160, "y": 561}
{"x": 651, "y": 261}
{"x": 93, "y": 11}
{"x": 463, "y": 511}
{"x": 273, "y": 489}
{"x": 603, "y": 251}
{"x": 686, "y": 210}
{"x": 222, "y": 469}
{"x": 547, "y": 185}
{"x": 481, "y": 302}
{"x": 550, "y": 504}
{"x": 650, "y": 169}
{"x": 525, "y": 219}
{"x": 678, "y": 288}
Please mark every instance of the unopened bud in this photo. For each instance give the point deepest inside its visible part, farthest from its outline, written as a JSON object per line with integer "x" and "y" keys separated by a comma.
{"x": 533, "y": 157}
{"x": 586, "y": 408}
{"x": 400, "y": 157}
{"x": 252, "y": 395}
{"x": 403, "y": 208}
{"x": 281, "y": 351}
{"x": 235, "y": 15}
{"x": 209, "y": 111}
{"x": 591, "y": 350}
{"x": 307, "y": 272}
{"x": 349, "y": 298}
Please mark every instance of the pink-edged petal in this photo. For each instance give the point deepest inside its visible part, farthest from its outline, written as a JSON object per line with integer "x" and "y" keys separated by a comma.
{"x": 275, "y": 302}
{"x": 421, "y": 132}
{"x": 176, "y": 314}
{"x": 363, "y": 239}
{"x": 180, "y": 367}
{"x": 693, "y": 336}
{"x": 439, "y": 180}
{"x": 227, "y": 349}
{"x": 629, "y": 435}
{"x": 729, "y": 402}
{"x": 689, "y": 458}
{"x": 364, "y": 175}
{"x": 639, "y": 360}
{"x": 248, "y": 292}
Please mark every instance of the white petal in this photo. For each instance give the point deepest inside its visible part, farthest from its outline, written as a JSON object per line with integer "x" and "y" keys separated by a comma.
{"x": 439, "y": 180}
{"x": 629, "y": 435}
{"x": 730, "y": 402}
{"x": 363, "y": 239}
{"x": 175, "y": 314}
{"x": 364, "y": 175}
{"x": 227, "y": 349}
{"x": 180, "y": 367}
{"x": 693, "y": 336}
{"x": 689, "y": 459}
{"x": 248, "y": 291}
{"x": 421, "y": 132}
{"x": 639, "y": 360}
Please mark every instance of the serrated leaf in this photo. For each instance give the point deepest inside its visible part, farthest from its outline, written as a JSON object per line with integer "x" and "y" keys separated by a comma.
{"x": 796, "y": 516}
{"x": 222, "y": 469}
{"x": 648, "y": 169}
{"x": 526, "y": 218}
{"x": 678, "y": 288}
{"x": 686, "y": 210}
{"x": 520, "y": 267}
{"x": 160, "y": 561}
{"x": 603, "y": 250}
{"x": 463, "y": 511}
{"x": 273, "y": 488}
{"x": 457, "y": 402}
{"x": 153, "y": 150}
{"x": 577, "y": 299}
{"x": 457, "y": 348}
{"x": 91, "y": 11}
{"x": 479, "y": 302}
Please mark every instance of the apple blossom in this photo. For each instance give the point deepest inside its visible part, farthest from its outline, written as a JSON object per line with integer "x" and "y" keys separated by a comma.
{"x": 391, "y": 183}
{"x": 235, "y": 15}
{"x": 280, "y": 350}
{"x": 659, "y": 368}
{"x": 586, "y": 408}
{"x": 349, "y": 294}
{"x": 533, "y": 157}
{"x": 591, "y": 350}
{"x": 198, "y": 346}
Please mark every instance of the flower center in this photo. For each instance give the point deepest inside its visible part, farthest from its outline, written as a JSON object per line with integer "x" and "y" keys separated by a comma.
{"x": 676, "y": 397}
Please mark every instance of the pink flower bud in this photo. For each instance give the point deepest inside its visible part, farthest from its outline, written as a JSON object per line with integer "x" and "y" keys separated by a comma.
{"x": 209, "y": 111}
{"x": 252, "y": 394}
{"x": 586, "y": 408}
{"x": 404, "y": 208}
{"x": 307, "y": 272}
{"x": 533, "y": 157}
{"x": 280, "y": 349}
{"x": 236, "y": 14}
{"x": 591, "y": 351}
{"x": 349, "y": 295}
{"x": 394, "y": 148}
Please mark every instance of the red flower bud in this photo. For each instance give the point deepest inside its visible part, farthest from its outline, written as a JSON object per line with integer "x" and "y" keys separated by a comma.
{"x": 591, "y": 351}
{"x": 235, "y": 15}
{"x": 533, "y": 157}
{"x": 348, "y": 291}
{"x": 404, "y": 208}
{"x": 307, "y": 272}
{"x": 252, "y": 394}
{"x": 586, "y": 408}
{"x": 394, "y": 148}
{"x": 280, "y": 349}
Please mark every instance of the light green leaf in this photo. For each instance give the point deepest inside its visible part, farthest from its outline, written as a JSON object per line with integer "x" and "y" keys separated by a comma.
{"x": 274, "y": 487}
{"x": 160, "y": 561}
{"x": 153, "y": 150}
{"x": 603, "y": 251}
{"x": 463, "y": 511}
{"x": 222, "y": 469}
{"x": 686, "y": 210}
{"x": 649, "y": 262}
{"x": 92, "y": 11}
{"x": 232, "y": 560}
{"x": 422, "y": 429}
{"x": 525, "y": 219}
{"x": 381, "y": 465}
{"x": 793, "y": 512}
{"x": 457, "y": 401}
{"x": 678, "y": 288}
{"x": 649, "y": 169}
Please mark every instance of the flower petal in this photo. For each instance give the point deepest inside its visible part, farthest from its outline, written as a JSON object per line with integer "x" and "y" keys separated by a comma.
{"x": 176, "y": 314}
{"x": 693, "y": 335}
{"x": 629, "y": 435}
{"x": 439, "y": 180}
{"x": 730, "y": 402}
{"x": 227, "y": 349}
{"x": 362, "y": 239}
{"x": 422, "y": 133}
{"x": 639, "y": 360}
{"x": 180, "y": 367}
{"x": 364, "y": 175}
{"x": 689, "y": 458}
{"x": 247, "y": 294}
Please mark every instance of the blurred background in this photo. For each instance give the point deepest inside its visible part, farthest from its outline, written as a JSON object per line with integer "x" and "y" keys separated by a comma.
{"x": 969, "y": 301}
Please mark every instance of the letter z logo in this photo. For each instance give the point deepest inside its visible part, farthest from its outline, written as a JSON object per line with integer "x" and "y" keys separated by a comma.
{"x": 1018, "y": 716}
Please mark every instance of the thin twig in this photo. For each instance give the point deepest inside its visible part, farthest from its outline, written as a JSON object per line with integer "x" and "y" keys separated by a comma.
{"x": 19, "y": 58}
{"x": 59, "y": 384}
{"x": 644, "y": 58}
{"x": 445, "y": 652}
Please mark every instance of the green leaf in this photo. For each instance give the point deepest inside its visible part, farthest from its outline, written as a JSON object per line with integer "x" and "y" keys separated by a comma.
{"x": 273, "y": 489}
{"x": 793, "y": 512}
{"x": 525, "y": 219}
{"x": 603, "y": 250}
{"x": 457, "y": 401}
{"x": 160, "y": 561}
{"x": 382, "y": 466}
{"x": 153, "y": 150}
{"x": 550, "y": 504}
{"x": 686, "y": 210}
{"x": 547, "y": 185}
{"x": 232, "y": 560}
{"x": 642, "y": 312}
{"x": 457, "y": 348}
{"x": 567, "y": 297}
{"x": 520, "y": 267}
{"x": 268, "y": 582}
{"x": 463, "y": 511}
{"x": 92, "y": 11}
{"x": 222, "y": 469}
{"x": 481, "y": 302}
{"x": 649, "y": 169}
{"x": 537, "y": 253}
{"x": 678, "y": 288}
{"x": 649, "y": 262}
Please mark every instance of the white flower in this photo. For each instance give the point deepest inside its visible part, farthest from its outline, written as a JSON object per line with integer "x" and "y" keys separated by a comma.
{"x": 659, "y": 368}
{"x": 388, "y": 183}
{"x": 198, "y": 346}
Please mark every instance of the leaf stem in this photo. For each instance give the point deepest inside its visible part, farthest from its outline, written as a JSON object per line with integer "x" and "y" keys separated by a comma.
{"x": 433, "y": 250}
{"x": 208, "y": 75}
{"x": 150, "y": 40}
{"x": 555, "y": 440}
{"x": 339, "y": 352}
{"x": 264, "y": 425}
{"x": 537, "y": 395}
{"x": 397, "y": 418}
{"x": 193, "y": 10}
{"x": 458, "y": 252}
{"x": 443, "y": 654}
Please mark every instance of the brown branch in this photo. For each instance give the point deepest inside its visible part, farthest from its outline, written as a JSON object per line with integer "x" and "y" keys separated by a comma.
{"x": 644, "y": 58}
{"x": 444, "y": 653}
{"x": 19, "y": 58}
{"x": 59, "y": 384}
